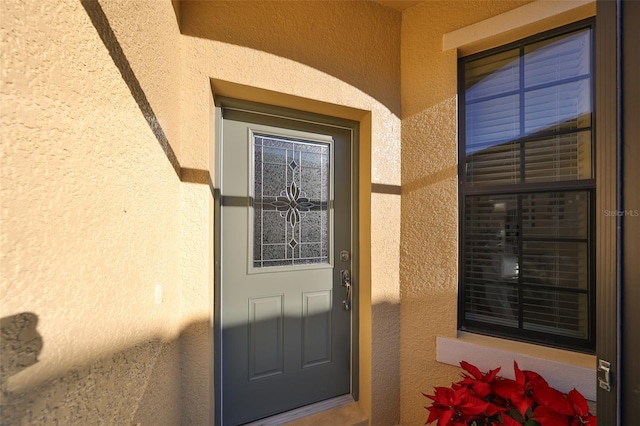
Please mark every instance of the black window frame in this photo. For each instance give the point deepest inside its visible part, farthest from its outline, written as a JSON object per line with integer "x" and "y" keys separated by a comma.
{"x": 589, "y": 185}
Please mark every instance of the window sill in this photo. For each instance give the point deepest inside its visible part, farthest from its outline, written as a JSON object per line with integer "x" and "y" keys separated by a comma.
{"x": 563, "y": 369}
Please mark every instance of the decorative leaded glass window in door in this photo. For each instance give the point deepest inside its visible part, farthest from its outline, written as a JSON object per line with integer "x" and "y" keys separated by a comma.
{"x": 291, "y": 188}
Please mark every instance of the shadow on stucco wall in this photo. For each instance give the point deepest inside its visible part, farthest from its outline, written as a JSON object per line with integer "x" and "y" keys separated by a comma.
{"x": 103, "y": 27}
{"x": 138, "y": 385}
{"x": 20, "y": 345}
{"x": 101, "y": 23}
{"x": 386, "y": 363}
{"x": 356, "y": 42}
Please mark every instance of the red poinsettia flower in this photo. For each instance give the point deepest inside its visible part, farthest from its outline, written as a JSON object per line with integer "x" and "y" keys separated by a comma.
{"x": 582, "y": 416}
{"x": 556, "y": 409}
{"x": 478, "y": 382}
{"x": 533, "y": 377}
{"x": 487, "y": 399}
{"x": 547, "y": 417}
{"x": 507, "y": 421}
{"x": 453, "y": 407}
{"x": 517, "y": 391}
{"x": 551, "y": 398}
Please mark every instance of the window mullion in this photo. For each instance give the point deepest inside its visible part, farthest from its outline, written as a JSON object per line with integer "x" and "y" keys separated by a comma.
{"x": 520, "y": 228}
{"x": 571, "y": 185}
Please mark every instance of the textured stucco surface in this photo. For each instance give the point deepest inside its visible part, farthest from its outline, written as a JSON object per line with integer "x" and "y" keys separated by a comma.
{"x": 196, "y": 348}
{"x": 152, "y": 57}
{"x": 428, "y": 260}
{"x": 93, "y": 215}
{"x": 90, "y": 215}
{"x": 385, "y": 323}
{"x": 137, "y": 385}
{"x": 344, "y": 53}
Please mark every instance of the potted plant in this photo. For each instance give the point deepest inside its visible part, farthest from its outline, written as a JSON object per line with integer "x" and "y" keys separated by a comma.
{"x": 488, "y": 399}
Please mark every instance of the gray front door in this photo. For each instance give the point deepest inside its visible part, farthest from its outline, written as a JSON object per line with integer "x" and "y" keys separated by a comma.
{"x": 286, "y": 216}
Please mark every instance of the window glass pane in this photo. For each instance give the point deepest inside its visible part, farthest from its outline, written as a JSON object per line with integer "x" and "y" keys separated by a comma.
{"x": 560, "y": 264}
{"x": 491, "y": 257}
{"x": 492, "y": 75}
{"x": 554, "y": 215}
{"x": 553, "y": 255}
{"x": 493, "y": 302}
{"x": 557, "y": 158}
{"x": 491, "y": 123}
{"x": 291, "y": 199}
{"x": 558, "y": 58}
{"x": 558, "y": 108}
{"x": 493, "y": 166}
{"x": 556, "y": 312}
{"x": 491, "y": 225}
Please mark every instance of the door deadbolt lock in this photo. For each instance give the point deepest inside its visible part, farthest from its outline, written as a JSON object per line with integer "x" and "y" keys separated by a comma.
{"x": 345, "y": 256}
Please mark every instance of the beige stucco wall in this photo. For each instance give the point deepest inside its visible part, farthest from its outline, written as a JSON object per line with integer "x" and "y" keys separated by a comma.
{"x": 90, "y": 218}
{"x": 97, "y": 216}
{"x": 94, "y": 215}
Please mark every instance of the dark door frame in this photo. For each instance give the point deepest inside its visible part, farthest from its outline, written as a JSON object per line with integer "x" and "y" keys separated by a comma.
{"x": 221, "y": 103}
{"x": 630, "y": 220}
{"x": 618, "y": 205}
{"x": 607, "y": 199}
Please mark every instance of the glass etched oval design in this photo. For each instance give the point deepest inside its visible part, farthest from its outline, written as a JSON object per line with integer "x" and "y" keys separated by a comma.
{"x": 291, "y": 201}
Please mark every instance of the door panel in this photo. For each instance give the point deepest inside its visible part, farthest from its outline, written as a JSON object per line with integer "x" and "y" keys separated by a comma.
{"x": 316, "y": 328}
{"x": 265, "y": 337}
{"x": 286, "y": 212}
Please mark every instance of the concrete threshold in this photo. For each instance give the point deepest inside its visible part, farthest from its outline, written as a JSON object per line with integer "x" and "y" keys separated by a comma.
{"x": 339, "y": 411}
{"x": 346, "y": 415}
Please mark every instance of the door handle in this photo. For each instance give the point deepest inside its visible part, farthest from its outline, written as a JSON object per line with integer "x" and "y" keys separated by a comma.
{"x": 345, "y": 275}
